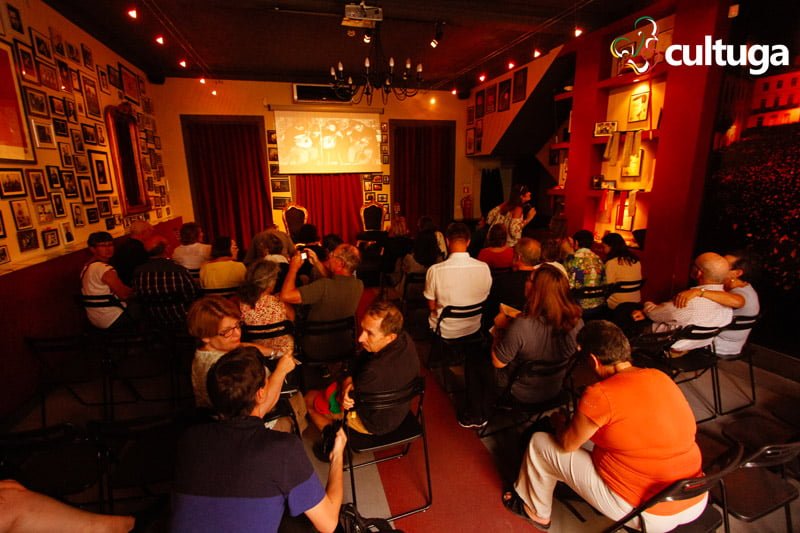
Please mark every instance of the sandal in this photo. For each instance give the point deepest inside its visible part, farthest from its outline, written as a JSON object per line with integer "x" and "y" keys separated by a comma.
{"x": 514, "y": 503}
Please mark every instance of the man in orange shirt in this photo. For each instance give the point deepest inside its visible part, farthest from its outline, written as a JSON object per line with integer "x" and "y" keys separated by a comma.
{"x": 643, "y": 432}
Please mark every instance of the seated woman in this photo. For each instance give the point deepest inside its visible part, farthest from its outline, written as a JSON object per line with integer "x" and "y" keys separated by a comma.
{"x": 621, "y": 265}
{"x": 98, "y": 278}
{"x": 192, "y": 252}
{"x": 424, "y": 254}
{"x": 497, "y": 254}
{"x": 643, "y": 432}
{"x": 216, "y": 324}
{"x": 260, "y": 306}
{"x": 222, "y": 271}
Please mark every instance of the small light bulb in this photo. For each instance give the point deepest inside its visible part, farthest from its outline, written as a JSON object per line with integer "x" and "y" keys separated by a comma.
{"x": 160, "y": 39}
{"x": 182, "y": 63}
{"x": 132, "y": 13}
{"x": 214, "y": 92}
{"x": 454, "y": 92}
{"x": 482, "y": 78}
{"x": 511, "y": 65}
{"x": 202, "y": 81}
{"x": 433, "y": 100}
{"x": 537, "y": 53}
{"x": 578, "y": 31}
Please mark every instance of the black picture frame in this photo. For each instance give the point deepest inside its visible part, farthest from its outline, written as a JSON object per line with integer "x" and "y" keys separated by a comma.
{"x": 59, "y": 204}
{"x": 38, "y": 184}
{"x": 85, "y": 188}
{"x": 91, "y": 97}
{"x": 12, "y": 183}
{"x": 36, "y": 102}
{"x": 15, "y": 19}
{"x": 279, "y": 202}
{"x": 28, "y": 240}
{"x": 48, "y": 75}
{"x": 92, "y": 215}
{"x": 26, "y": 64}
{"x": 78, "y": 216}
{"x": 3, "y": 232}
{"x": 504, "y": 95}
{"x": 50, "y": 238}
{"x": 113, "y": 76}
{"x": 104, "y": 206}
{"x": 130, "y": 84}
{"x": 42, "y": 47}
{"x": 272, "y": 137}
{"x": 53, "y": 177}
{"x": 60, "y": 128}
{"x": 21, "y": 213}
{"x": 491, "y": 99}
{"x": 102, "y": 173}
{"x": 480, "y": 104}
{"x": 89, "y": 134}
{"x": 280, "y": 185}
{"x": 520, "y": 86}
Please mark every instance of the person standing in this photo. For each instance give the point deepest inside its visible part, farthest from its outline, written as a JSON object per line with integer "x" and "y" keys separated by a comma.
{"x": 511, "y": 213}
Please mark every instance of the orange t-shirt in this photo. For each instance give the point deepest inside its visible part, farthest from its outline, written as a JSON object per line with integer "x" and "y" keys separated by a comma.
{"x": 646, "y": 436}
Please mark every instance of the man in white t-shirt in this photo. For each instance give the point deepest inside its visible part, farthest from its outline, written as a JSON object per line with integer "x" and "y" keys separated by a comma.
{"x": 98, "y": 278}
{"x": 193, "y": 252}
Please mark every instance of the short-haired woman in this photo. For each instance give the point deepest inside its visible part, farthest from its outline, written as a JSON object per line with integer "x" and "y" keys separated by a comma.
{"x": 192, "y": 252}
{"x": 260, "y": 306}
{"x": 222, "y": 271}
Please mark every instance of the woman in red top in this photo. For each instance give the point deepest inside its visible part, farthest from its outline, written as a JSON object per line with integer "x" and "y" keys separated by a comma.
{"x": 497, "y": 254}
{"x": 643, "y": 432}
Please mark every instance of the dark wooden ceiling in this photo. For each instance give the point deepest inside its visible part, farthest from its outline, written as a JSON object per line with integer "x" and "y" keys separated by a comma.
{"x": 299, "y": 40}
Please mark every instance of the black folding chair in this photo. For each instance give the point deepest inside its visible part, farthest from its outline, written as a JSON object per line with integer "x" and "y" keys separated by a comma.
{"x": 697, "y": 362}
{"x": 253, "y": 332}
{"x": 226, "y": 292}
{"x": 411, "y": 280}
{"x": 412, "y": 428}
{"x": 740, "y": 323}
{"x": 446, "y": 353}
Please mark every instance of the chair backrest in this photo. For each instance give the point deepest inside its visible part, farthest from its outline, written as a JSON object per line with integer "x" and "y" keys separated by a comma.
{"x": 654, "y": 344}
{"x": 102, "y": 300}
{"x": 741, "y": 323}
{"x": 222, "y": 291}
{"x": 252, "y": 332}
{"x": 772, "y": 455}
{"x": 627, "y": 286}
{"x": 585, "y": 293}
{"x": 337, "y": 336}
{"x": 388, "y": 400}
{"x": 294, "y": 216}
{"x": 413, "y": 278}
{"x": 685, "y": 489}
{"x": 699, "y": 333}
{"x": 458, "y": 312}
{"x": 372, "y": 216}
{"x": 194, "y": 272}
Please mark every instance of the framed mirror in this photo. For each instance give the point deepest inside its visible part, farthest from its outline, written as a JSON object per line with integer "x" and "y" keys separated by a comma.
{"x": 123, "y": 141}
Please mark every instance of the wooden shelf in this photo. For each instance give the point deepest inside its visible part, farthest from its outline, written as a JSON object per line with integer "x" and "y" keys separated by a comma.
{"x": 659, "y": 71}
{"x": 560, "y": 146}
{"x": 647, "y": 135}
{"x": 563, "y": 96}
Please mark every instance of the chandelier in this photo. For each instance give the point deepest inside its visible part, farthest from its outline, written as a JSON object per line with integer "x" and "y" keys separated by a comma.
{"x": 379, "y": 76}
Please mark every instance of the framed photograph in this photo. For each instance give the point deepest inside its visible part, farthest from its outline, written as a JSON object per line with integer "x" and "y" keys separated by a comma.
{"x": 25, "y": 63}
{"x": 57, "y": 41}
{"x": 59, "y": 204}
{"x": 42, "y": 46}
{"x": 70, "y": 184}
{"x": 65, "y": 151}
{"x": 384, "y": 148}
{"x": 634, "y": 167}
{"x": 274, "y": 170}
{"x": 77, "y": 142}
{"x": 15, "y": 19}
{"x": 638, "y": 107}
{"x": 100, "y": 132}
{"x": 102, "y": 80}
{"x": 384, "y": 127}
{"x": 48, "y": 75}
{"x": 81, "y": 163}
{"x": 470, "y": 115}
{"x": 104, "y": 206}
{"x": 478, "y": 130}
{"x": 37, "y": 183}
{"x": 491, "y": 99}
{"x": 480, "y": 104}
{"x": 101, "y": 171}
{"x": 130, "y": 84}
{"x": 92, "y": 215}
{"x": 91, "y": 97}
{"x": 386, "y": 179}
{"x": 4, "y": 255}
{"x": 88, "y": 57}
{"x": 75, "y": 76}
{"x": 21, "y": 213}
{"x": 12, "y": 184}
{"x": 625, "y": 221}
{"x": 64, "y": 75}
{"x": 50, "y": 238}
{"x": 385, "y": 159}
{"x": 504, "y": 95}
{"x": 71, "y": 110}
{"x": 272, "y": 137}
{"x": 377, "y": 179}
{"x": 520, "y": 89}
{"x": 384, "y": 138}
{"x": 60, "y": 128}
{"x": 377, "y": 186}
{"x": 367, "y": 186}
{"x": 111, "y": 223}
{"x": 383, "y": 197}
{"x": 57, "y": 106}
{"x": 608, "y": 184}
{"x": 605, "y": 129}
{"x": 3, "y": 232}
{"x": 73, "y": 53}
{"x": 279, "y": 185}
{"x": 28, "y": 240}
{"x": 36, "y": 101}
{"x": 43, "y": 135}
{"x": 470, "y": 141}
{"x": 85, "y": 187}
{"x": 53, "y": 178}
{"x": 78, "y": 217}
{"x": 272, "y": 153}
{"x": 279, "y": 202}
{"x": 66, "y": 231}
{"x": 15, "y": 144}
{"x": 44, "y": 213}
{"x": 89, "y": 134}
{"x": 370, "y": 197}
{"x": 113, "y": 77}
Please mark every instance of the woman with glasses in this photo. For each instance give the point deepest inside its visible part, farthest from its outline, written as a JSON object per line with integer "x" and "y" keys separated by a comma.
{"x": 216, "y": 324}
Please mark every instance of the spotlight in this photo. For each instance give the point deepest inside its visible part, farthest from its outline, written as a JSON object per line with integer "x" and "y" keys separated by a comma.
{"x": 438, "y": 33}
{"x": 132, "y": 13}
{"x": 578, "y": 31}
{"x": 454, "y": 92}
{"x": 214, "y": 92}
{"x": 367, "y": 36}
{"x": 160, "y": 39}
{"x": 482, "y": 78}
{"x": 511, "y": 65}
{"x": 433, "y": 100}
{"x": 182, "y": 63}
{"x": 537, "y": 53}
{"x": 202, "y": 81}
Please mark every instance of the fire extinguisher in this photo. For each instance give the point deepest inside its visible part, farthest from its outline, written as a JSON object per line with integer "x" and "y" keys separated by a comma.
{"x": 466, "y": 207}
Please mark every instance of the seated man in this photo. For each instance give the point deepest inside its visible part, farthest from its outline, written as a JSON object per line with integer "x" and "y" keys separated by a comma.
{"x": 98, "y": 278}
{"x": 236, "y": 475}
{"x": 643, "y": 432}
{"x": 330, "y": 298}
{"x": 586, "y": 269}
{"x": 390, "y": 363}
{"x": 709, "y": 270}
{"x": 132, "y": 252}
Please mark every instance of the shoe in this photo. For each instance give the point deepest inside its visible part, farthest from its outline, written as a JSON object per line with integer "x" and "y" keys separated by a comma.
{"x": 472, "y": 423}
{"x": 514, "y": 503}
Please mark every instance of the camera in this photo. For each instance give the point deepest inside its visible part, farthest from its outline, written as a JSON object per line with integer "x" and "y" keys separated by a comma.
{"x": 304, "y": 255}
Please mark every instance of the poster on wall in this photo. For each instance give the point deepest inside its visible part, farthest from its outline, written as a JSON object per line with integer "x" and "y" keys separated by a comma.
{"x": 15, "y": 142}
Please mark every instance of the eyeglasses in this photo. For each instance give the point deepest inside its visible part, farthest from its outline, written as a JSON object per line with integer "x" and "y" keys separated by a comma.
{"x": 228, "y": 332}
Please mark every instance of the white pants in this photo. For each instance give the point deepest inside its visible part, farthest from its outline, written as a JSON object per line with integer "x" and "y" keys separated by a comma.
{"x": 546, "y": 463}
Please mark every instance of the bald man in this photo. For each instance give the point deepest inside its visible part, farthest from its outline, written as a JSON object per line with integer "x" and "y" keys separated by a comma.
{"x": 710, "y": 270}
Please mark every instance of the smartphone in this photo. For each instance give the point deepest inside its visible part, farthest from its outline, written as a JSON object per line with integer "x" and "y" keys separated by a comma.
{"x": 304, "y": 255}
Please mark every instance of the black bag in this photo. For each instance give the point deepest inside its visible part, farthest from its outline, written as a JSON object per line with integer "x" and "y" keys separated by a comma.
{"x": 352, "y": 522}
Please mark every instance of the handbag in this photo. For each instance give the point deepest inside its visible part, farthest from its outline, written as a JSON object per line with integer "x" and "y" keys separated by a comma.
{"x": 350, "y": 521}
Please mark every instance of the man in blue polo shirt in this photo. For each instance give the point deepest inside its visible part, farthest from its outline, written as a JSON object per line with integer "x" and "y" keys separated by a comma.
{"x": 236, "y": 475}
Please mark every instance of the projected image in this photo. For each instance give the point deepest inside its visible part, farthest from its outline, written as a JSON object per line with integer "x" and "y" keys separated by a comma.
{"x": 327, "y": 143}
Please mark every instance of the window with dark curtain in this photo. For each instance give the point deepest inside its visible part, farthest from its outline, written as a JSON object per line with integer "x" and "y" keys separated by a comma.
{"x": 227, "y": 174}
{"x": 333, "y": 202}
{"x": 423, "y": 169}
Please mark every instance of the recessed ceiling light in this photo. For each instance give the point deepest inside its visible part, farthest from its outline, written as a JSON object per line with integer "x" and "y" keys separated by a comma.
{"x": 537, "y": 53}
{"x": 482, "y": 78}
{"x": 160, "y": 39}
{"x": 182, "y": 63}
{"x": 511, "y": 65}
{"x": 132, "y": 13}
{"x": 578, "y": 31}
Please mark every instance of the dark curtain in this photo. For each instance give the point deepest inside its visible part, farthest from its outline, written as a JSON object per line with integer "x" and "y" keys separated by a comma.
{"x": 333, "y": 202}
{"x": 227, "y": 173}
{"x": 423, "y": 168}
{"x": 491, "y": 190}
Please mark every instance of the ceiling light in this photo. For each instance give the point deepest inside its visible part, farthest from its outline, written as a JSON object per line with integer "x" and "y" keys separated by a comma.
{"x": 160, "y": 39}
{"x": 132, "y": 13}
{"x": 482, "y": 78}
{"x": 454, "y": 92}
{"x": 214, "y": 92}
{"x": 182, "y": 63}
{"x": 438, "y": 33}
{"x": 433, "y": 100}
{"x": 537, "y": 53}
{"x": 578, "y": 31}
{"x": 202, "y": 81}
{"x": 367, "y": 36}
{"x": 511, "y": 65}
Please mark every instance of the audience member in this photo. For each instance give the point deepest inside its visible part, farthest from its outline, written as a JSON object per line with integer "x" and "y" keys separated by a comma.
{"x": 510, "y": 213}
{"x": 709, "y": 270}
{"x": 643, "y": 432}
{"x": 496, "y": 253}
{"x": 739, "y": 295}
{"x": 585, "y": 269}
{"x": 164, "y": 288}
{"x": 425, "y": 225}
{"x": 260, "y": 306}
{"x": 621, "y": 265}
{"x": 132, "y": 252}
{"x": 274, "y": 247}
{"x": 215, "y": 322}
{"x": 259, "y": 247}
{"x": 222, "y": 271}
{"x": 98, "y": 278}
{"x": 192, "y": 252}
{"x": 236, "y": 475}
{"x": 509, "y": 287}
{"x": 397, "y": 222}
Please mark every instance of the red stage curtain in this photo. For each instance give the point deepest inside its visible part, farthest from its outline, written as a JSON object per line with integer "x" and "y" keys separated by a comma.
{"x": 227, "y": 173}
{"x": 333, "y": 202}
{"x": 423, "y": 169}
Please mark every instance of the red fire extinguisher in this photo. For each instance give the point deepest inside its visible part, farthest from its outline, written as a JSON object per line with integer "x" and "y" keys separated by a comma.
{"x": 466, "y": 207}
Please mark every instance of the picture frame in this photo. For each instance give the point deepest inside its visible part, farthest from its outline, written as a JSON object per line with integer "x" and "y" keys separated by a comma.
{"x": 377, "y": 179}
{"x": 50, "y": 238}
{"x": 520, "y": 85}
{"x": 48, "y": 75}
{"x": 70, "y": 184}
{"x": 480, "y": 103}
{"x": 382, "y": 197}
{"x": 78, "y": 217}
{"x": 59, "y": 204}
{"x": 102, "y": 171}
{"x": 274, "y": 170}
{"x": 377, "y": 186}
{"x": 634, "y": 167}
{"x": 21, "y": 212}
{"x": 38, "y": 186}
{"x": 89, "y": 134}
{"x": 5, "y": 257}
{"x": 85, "y": 188}
{"x": 272, "y": 153}
{"x": 60, "y": 128}
{"x": 28, "y": 240}
{"x": 367, "y": 186}
{"x": 504, "y": 95}
{"x": 384, "y": 138}
{"x": 384, "y": 148}
{"x": 470, "y": 115}
{"x": 478, "y": 130}
{"x": 73, "y": 53}
{"x": 12, "y": 183}
{"x": 100, "y": 132}
{"x": 15, "y": 19}
{"x": 92, "y": 215}
{"x": 384, "y": 127}
{"x": 470, "y": 141}
{"x": 88, "y": 57}
{"x": 71, "y": 110}
{"x": 104, "y": 206}
{"x": 18, "y": 146}
{"x": 386, "y": 179}
{"x": 102, "y": 80}
{"x": 53, "y": 177}
{"x": 113, "y": 77}
{"x": 26, "y": 64}
{"x": 64, "y": 75}
{"x": 130, "y": 84}
{"x": 57, "y": 106}
{"x": 608, "y": 184}
{"x": 279, "y": 202}
{"x": 36, "y": 102}
{"x": 66, "y": 232}
{"x": 111, "y": 223}
{"x": 385, "y": 159}
{"x": 75, "y": 76}
{"x": 3, "y": 232}
{"x": 43, "y": 134}
{"x": 65, "y": 152}
{"x": 638, "y": 107}
{"x": 279, "y": 185}
{"x": 42, "y": 47}
{"x": 272, "y": 137}
{"x": 81, "y": 163}
{"x": 624, "y": 222}
{"x": 57, "y": 41}
{"x": 77, "y": 142}
{"x": 369, "y": 197}
{"x": 91, "y": 97}
{"x": 44, "y": 212}
{"x": 491, "y": 99}
{"x": 605, "y": 129}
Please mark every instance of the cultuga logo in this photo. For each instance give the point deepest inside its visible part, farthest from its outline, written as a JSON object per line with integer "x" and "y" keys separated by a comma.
{"x": 634, "y": 52}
